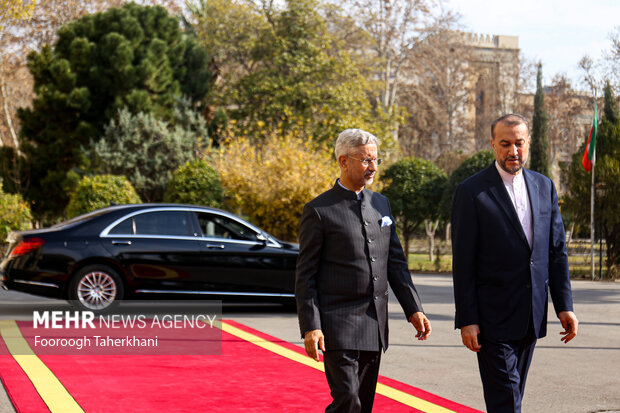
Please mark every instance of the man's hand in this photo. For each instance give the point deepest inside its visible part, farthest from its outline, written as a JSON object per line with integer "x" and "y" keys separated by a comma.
{"x": 469, "y": 335}
{"x": 313, "y": 340}
{"x": 570, "y": 323}
{"x": 421, "y": 324}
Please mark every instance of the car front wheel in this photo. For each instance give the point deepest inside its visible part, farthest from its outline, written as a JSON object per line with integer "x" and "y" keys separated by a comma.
{"x": 96, "y": 288}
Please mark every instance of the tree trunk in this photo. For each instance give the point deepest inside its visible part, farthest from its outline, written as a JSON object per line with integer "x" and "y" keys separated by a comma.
{"x": 15, "y": 174}
{"x": 612, "y": 242}
{"x": 569, "y": 238}
{"x": 431, "y": 227}
{"x": 395, "y": 130}
{"x": 7, "y": 115}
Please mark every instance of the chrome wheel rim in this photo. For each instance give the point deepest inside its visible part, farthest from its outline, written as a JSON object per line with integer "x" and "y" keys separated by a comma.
{"x": 96, "y": 290}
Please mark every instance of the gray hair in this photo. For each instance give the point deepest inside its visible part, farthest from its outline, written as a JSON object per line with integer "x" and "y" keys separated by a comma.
{"x": 352, "y": 138}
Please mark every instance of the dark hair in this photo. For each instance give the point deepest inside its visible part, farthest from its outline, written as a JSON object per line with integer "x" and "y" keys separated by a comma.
{"x": 512, "y": 119}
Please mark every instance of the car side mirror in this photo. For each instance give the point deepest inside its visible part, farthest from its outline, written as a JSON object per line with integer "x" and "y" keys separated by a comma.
{"x": 261, "y": 238}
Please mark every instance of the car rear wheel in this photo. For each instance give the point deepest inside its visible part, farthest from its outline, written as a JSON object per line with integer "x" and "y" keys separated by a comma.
{"x": 96, "y": 288}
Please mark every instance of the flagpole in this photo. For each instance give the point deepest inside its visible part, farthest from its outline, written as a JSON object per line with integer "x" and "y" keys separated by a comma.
{"x": 592, "y": 190}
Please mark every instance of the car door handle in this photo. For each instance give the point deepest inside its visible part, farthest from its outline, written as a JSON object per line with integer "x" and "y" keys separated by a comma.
{"x": 117, "y": 242}
{"x": 220, "y": 246}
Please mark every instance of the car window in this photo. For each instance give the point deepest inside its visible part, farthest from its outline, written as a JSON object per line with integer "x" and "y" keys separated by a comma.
{"x": 155, "y": 223}
{"x": 82, "y": 218}
{"x": 125, "y": 227}
{"x": 217, "y": 226}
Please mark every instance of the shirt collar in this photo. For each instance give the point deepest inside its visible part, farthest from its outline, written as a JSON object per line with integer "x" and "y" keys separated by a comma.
{"x": 359, "y": 195}
{"x": 509, "y": 178}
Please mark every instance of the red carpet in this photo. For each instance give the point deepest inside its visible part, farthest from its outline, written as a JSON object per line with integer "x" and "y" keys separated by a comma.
{"x": 244, "y": 378}
{"x": 17, "y": 385}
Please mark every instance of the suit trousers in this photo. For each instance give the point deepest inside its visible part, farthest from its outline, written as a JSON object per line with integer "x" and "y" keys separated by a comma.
{"x": 352, "y": 378}
{"x": 503, "y": 369}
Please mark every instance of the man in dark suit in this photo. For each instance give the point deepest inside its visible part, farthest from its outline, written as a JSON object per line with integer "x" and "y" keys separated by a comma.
{"x": 349, "y": 252}
{"x": 509, "y": 253}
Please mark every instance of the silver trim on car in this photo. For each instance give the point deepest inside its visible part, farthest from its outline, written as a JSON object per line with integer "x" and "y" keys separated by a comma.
{"x": 38, "y": 283}
{"x": 244, "y": 294}
{"x": 270, "y": 240}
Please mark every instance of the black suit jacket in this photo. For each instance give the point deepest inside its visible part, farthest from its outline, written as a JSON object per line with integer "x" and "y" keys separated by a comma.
{"x": 500, "y": 282}
{"x": 346, "y": 260}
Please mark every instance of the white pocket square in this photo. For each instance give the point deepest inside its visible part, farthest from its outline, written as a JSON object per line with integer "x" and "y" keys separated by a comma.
{"x": 386, "y": 221}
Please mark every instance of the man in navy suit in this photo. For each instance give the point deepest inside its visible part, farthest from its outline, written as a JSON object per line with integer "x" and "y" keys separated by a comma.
{"x": 509, "y": 253}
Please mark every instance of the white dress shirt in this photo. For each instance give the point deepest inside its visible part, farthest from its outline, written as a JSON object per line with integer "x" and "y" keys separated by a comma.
{"x": 517, "y": 191}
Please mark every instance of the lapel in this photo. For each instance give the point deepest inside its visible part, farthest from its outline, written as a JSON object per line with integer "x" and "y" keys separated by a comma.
{"x": 500, "y": 194}
{"x": 533, "y": 195}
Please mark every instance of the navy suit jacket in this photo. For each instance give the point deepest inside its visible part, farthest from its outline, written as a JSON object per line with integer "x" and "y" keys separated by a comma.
{"x": 346, "y": 260}
{"x": 500, "y": 283}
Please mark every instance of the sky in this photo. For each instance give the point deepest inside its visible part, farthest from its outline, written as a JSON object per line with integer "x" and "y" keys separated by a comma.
{"x": 556, "y": 32}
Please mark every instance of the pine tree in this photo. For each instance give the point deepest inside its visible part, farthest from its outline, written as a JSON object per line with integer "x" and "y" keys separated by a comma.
{"x": 135, "y": 58}
{"x": 539, "y": 151}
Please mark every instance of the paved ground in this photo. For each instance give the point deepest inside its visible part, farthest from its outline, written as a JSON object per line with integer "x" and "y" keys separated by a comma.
{"x": 581, "y": 377}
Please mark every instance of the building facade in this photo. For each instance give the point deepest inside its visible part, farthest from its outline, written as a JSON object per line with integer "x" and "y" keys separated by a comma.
{"x": 489, "y": 79}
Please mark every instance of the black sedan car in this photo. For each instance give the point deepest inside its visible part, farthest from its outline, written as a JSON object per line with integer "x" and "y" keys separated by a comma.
{"x": 133, "y": 251}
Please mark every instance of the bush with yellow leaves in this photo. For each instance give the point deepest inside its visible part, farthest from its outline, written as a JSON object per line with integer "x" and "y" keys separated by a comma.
{"x": 15, "y": 215}
{"x": 269, "y": 182}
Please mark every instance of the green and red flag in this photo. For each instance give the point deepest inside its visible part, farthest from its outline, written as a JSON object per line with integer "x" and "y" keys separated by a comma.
{"x": 589, "y": 153}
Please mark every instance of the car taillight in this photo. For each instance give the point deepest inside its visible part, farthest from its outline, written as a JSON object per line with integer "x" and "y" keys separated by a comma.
{"x": 26, "y": 245}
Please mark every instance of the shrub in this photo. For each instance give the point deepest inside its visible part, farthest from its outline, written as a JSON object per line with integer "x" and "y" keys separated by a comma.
{"x": 271, "y": 182}
{"x": 98, "y": 192}
{"x": 146, "y": 149}
{"x": 195, "y": 183}
{"x": 15, "y": 214}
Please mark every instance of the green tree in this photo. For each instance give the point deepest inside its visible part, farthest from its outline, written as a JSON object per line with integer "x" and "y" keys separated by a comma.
{"x": 539, "y": 152}
{"x": 607, "y": 183}
{"x": 15, "y": 214}
{"x": 469, "y": 167}
{"x": 134, "y": 57}
{"x": 195, "y": 183}
{"x": 100, "y": 191}
{"x": 281, "y": 70}
{"x": 146, "y": 150}
{"x": 414, "y": 187}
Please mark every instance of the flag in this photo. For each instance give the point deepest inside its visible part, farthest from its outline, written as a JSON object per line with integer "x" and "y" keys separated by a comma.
{"x": 589, "y": 153}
